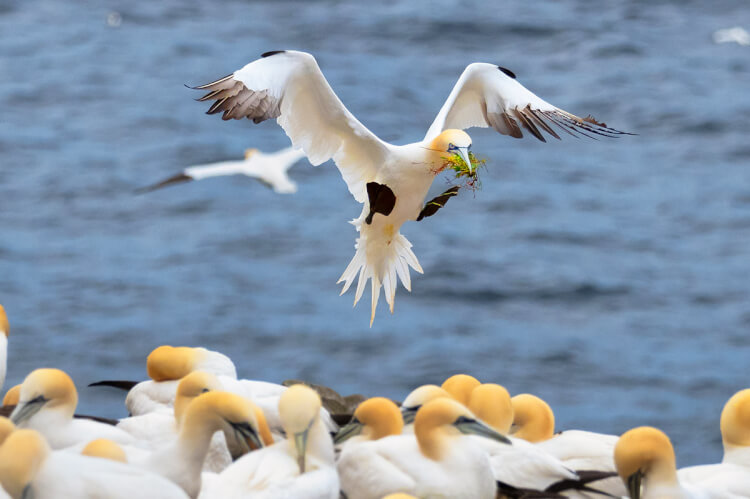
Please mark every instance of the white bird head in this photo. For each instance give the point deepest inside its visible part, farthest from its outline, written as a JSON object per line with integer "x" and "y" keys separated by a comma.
{"x": 644, "y": 452}
{"x": 419, "y": 397}
{"x": 48, "y": 389}
{"x": 454, "y": 141}
{"x": 191, "y": 386}
{"x": 250, "y": 152}
{"x": 299, "y": 409}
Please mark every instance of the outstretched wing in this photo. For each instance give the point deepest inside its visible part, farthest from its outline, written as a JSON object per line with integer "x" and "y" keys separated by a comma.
{"x": 289, "y": 86}
{"x": 488, "y": 95}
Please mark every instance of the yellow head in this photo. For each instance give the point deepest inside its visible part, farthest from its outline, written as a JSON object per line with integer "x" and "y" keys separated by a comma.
{"x": 644, "y": 452}
{"x": 442, "y": 420}
{"x": 6, "y": 428}
{"x": 191, "y": 386}
{"x": 12, "y": 395}
{"x": 533, "y": 418}
{"x": 250, "y": 152}
{"x": 51, "y": 389}
{"x": 169, "y": 363}
{"x": 735, "y": 420}
{"x": 374, "y": 418}
{"x": 399, "y": 495}
{"x": 460, "y": 387}
{"x": 105, "y": 449}
{"x": 299, "y": 409}
{"x": 21, "y": 457}
{"x": 419, "y": 397}
{"x": 4, "y": 325}
{"x": 453, "y": 141}
{"x": 221, "y": 411}
{"x": 491, "y": 403}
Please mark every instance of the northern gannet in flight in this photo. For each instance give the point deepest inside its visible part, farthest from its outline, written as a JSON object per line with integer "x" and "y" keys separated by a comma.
{"x": 390, "y": 181}
{"x": 270, "y": 168}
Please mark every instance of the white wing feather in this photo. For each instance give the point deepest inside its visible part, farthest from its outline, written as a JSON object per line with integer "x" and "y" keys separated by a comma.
{"x": 489, "y": 96}
{"x": 289, "y": 86}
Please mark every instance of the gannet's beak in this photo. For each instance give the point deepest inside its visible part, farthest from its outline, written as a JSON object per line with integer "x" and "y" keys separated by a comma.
{"x": 25, "y": 410}
{"x": 249, "y": 436}
{"x": 634, "y": 485}
{"x": 464, "y": 152}
{"x": 474, "y": 427}
{"x": 300, "y": 443}
{"x": 409, "y": 413}
{"x": 352, "y": 429}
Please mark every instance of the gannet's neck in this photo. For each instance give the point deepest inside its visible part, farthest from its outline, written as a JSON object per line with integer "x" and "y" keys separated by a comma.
{"x": 3, "y": 357}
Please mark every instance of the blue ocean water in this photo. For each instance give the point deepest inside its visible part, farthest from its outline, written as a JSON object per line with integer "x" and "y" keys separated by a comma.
{"x": 608, "y": 277}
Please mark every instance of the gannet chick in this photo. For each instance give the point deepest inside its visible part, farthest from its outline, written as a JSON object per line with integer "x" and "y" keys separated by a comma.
{"x": 181, "y": 461}
{"x": 269, "y": 168}
{"x": 29, "y": 468}
{"x": 390, "y": 181}
{"x": 301, "y": 467}
{"x": 416, "y": 399}
{"x": 373, "y": 419}
{"x": 735, "y": 435}
{"x": 460, "y": 387}
{"x": 4, "y": 334}
{"x": 644, "y": 456}
{"x": 105, "y": 449}
{"x": 439, "y": 460}
{"x": 581, "y": 451}
{"x": 12, "y": 395}
{"x": 47, "y": 403}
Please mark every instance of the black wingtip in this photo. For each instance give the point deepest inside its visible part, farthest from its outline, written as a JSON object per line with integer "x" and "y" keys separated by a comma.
{"x": 507, "y": 72}
{"x": 176, "y": 179}
{"x": 122, "y": 385}
{"x": 272, "y": 52}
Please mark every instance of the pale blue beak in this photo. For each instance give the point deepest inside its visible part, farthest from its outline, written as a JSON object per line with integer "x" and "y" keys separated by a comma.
{"x": 464, "y": 152}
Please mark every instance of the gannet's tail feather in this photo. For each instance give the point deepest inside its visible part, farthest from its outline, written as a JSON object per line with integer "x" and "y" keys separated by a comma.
{"x": 382, "y": 263}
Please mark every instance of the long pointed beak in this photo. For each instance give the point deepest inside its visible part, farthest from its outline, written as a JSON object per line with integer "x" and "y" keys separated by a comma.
{"x": 634, "y": 485}
{"x": 25, "y": 410}
{"x": 300, "y": 443}
{"x": 248, "y": 435}
{"x": 409, "y": 413}
{"x": 352, "y": 429}
{"x": 474, "y": 427}
{"x": 464, "y": 152}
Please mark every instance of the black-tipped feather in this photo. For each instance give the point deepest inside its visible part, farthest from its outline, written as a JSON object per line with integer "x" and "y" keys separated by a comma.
{"x": 121, "y": 384}
{"x": 176, "y": 179}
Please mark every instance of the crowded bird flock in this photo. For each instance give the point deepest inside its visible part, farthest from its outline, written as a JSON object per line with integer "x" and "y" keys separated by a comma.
{"x": 197, "y": 430}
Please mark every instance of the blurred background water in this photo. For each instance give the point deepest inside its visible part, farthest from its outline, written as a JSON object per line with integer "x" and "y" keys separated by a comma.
{"x": 610, "y": 277}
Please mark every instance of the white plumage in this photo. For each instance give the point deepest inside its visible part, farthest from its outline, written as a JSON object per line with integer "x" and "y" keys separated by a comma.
{"x": 391, "y": 181}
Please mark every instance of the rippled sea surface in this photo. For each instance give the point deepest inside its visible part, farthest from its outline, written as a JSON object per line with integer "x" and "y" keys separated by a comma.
{"x": 608, "y": 277}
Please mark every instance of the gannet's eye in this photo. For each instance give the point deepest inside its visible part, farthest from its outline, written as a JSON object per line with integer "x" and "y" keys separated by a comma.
{"x": 451, "y": 147}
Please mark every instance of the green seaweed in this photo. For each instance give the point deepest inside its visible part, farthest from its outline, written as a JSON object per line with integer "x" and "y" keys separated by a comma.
{"x": 456, "y": 163}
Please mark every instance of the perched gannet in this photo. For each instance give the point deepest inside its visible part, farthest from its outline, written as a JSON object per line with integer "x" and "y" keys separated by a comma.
{"x": 391, "y": 181}
{"x": 645, "y": 454}
{"x": 29, "y": 468}
{"x": 534, "y": 421}
{"x": 181, "y": 461}
{"x": 373, "y": 419}
{"x": 492, "y": 404}
{"x": 416, "y": 399}
{"x": 269, "y": 168}
{"x": 4, "y": 333}
{"x": 12, "y": 395}
{"x": 105, "y": 449}
{"x": 460, "y": 387}
{"x": 301, "y": 467}
{"x": 439, "y": 460}
{"x": 735, "y": 434}
{"x": 47, "y": 403}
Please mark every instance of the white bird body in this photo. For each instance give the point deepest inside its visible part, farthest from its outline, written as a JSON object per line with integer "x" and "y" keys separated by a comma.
{"x": 269, "y": 168}
{"x": 32, "y": 468}
{"x": 582, "y": 450}
{"x": 62, "y": 433}
{"x": 391, "y": 181}
{"x": 728, "y": 477}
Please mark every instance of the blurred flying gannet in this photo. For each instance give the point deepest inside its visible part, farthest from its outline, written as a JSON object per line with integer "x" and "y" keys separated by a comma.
{"x": 269, "y": 168}
{"x": 737, "y": 35}
{"x": 47, "y": 403}
{"x": 29, "y": 468}
{"x": 390, "y": 181}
